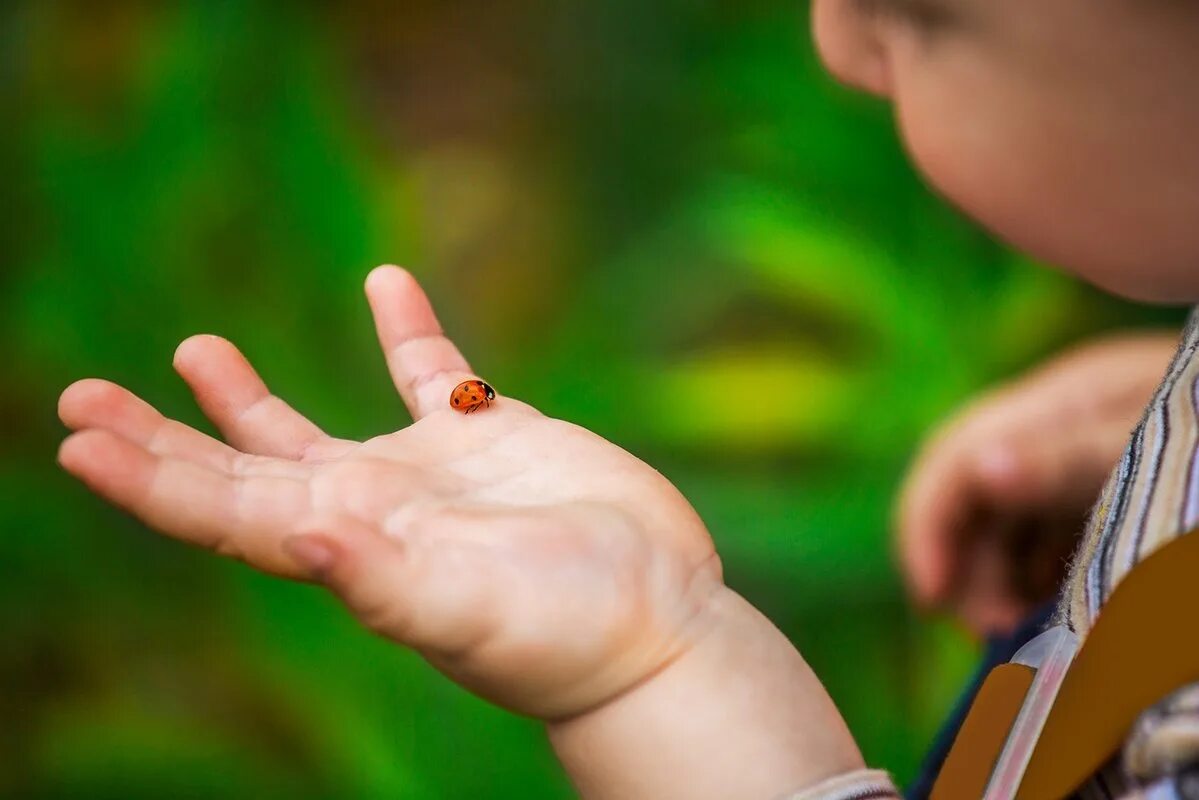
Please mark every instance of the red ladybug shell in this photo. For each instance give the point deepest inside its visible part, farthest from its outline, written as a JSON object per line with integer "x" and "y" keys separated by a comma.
{"x": 470, "y": 396}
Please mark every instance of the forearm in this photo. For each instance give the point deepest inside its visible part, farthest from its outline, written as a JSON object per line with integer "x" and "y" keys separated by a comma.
{"x": 739, "y": 715}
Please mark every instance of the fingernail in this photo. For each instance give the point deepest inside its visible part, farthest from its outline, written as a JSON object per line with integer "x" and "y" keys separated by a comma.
{"x": 310, "y": 552}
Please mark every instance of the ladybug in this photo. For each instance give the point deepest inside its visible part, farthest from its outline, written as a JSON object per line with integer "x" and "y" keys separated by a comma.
{"x": 470, "y": 396}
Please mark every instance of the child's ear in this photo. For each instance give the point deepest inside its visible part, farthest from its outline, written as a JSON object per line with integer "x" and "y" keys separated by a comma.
{"x": 846, "y": 35}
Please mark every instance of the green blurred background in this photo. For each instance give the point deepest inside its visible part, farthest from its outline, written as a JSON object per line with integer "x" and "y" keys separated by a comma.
{"x": 614, "y": 204}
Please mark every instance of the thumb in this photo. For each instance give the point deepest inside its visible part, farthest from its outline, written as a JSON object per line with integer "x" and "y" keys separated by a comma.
{"x": 413, "y": 589}
{"x": 359, "y": 564}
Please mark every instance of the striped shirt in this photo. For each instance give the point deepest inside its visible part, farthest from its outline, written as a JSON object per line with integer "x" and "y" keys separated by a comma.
{"x": 864, "y": 784}
{"x": 1151, "y": 498}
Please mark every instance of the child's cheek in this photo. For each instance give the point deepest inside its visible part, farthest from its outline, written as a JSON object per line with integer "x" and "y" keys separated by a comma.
{"x": 974, "y": 145}
{"x": 1056, "y": 160}
{"x": 1007, "y": 156}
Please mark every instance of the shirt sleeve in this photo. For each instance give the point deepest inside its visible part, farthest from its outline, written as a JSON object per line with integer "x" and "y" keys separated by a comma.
{"x": 863, "y": 784}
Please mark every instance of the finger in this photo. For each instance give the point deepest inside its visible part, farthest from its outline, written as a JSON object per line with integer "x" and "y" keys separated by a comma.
{"x": 968, "y": 496}
{"x": 252, "y": 419}
{"x": 244, "y": 517}
{"x": 1047, "y": 470}
{"x": 987, "y": 605}
{"x": 968, "y": 467}
{"x": 95, "y": 403}
{"x": 934, "y": 504}
{"x": 416, "y": 595}
{"x": 425, "y": 366}
{"x": 955, "y": 492}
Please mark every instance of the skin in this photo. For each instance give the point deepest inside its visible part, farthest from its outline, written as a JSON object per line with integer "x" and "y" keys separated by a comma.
{"x": 1065, "y": 127}
{"x": 551, "y": 572}
{"x": 534, "y": 563}
{"x": 992, "y": 507}
{"x": 1068, "y": 129}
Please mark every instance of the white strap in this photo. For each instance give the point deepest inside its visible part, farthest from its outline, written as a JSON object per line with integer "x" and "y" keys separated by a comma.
{"x": 1050, "y": 655}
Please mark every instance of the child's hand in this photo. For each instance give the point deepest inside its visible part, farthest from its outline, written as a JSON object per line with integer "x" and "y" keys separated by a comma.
{"x": 528, "y": 559}
{"x": 992, "y": 507}
{"x": 537, "y": 564}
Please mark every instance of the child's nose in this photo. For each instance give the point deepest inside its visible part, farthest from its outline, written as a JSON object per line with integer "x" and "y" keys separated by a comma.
{"x": 847, "y": 40}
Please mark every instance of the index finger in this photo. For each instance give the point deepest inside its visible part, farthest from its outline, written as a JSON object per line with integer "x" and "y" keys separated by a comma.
{"x": 930, "y": 511}
{"x": 425, "y": 366}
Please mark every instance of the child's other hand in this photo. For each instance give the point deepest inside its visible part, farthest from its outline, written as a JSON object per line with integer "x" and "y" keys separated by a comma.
{"x": 535, "y": 563}
{"x": 991, "y": 509}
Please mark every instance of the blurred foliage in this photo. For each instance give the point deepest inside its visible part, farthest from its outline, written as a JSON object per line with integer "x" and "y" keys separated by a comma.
{"x": 659, "y": 220}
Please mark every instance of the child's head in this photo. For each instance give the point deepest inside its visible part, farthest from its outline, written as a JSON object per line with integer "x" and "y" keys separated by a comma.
{"x": 1068, "y": 127}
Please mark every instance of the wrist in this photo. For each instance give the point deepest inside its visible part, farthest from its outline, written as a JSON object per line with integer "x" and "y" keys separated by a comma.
{"x": 738, "y": 714}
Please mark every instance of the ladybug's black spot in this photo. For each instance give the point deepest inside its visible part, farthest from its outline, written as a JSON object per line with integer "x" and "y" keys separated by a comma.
{"x": 455, "y": 401}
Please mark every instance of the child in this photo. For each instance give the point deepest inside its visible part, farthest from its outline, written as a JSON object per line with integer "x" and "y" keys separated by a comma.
{"x": 551, "y": 572}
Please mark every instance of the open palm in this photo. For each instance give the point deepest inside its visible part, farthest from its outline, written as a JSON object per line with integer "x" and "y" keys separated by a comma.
{"x": 530, "y": 560}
